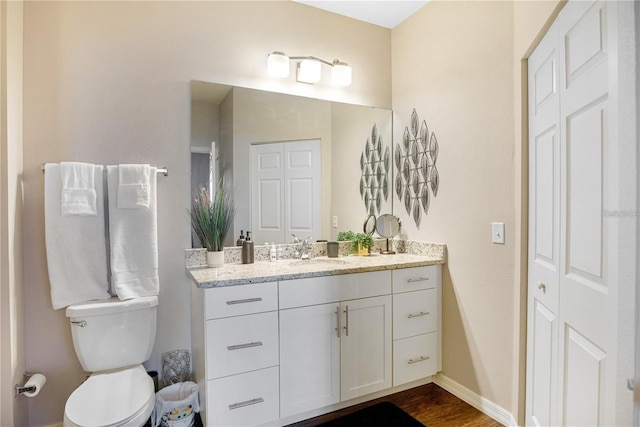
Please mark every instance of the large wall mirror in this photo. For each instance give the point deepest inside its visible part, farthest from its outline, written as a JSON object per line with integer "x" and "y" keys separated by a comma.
{"x": 296, "y": 164}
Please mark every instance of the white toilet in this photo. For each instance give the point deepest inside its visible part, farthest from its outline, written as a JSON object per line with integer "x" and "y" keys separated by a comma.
{"x": 112, "y": 339}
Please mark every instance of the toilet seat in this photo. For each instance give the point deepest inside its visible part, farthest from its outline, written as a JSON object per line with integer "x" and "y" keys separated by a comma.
{"x": 112, "y": 398}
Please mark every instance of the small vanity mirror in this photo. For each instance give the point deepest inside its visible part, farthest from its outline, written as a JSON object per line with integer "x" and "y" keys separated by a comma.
{"x": 369, "y": 224}
{"x": 388, "y": 226}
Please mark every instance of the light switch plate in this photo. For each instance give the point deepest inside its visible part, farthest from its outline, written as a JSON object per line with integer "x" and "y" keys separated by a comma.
{"x": 497, "y": 232}
{"x": 335, "y": 221}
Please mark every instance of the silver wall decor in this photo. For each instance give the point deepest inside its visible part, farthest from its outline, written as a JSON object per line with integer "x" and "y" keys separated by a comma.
{"x": 417, "y": 175}
{"x": 376, "y": 169}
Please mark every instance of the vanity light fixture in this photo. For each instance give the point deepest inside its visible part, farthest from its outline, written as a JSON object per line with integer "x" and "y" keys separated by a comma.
{"x": 309, "y": 69}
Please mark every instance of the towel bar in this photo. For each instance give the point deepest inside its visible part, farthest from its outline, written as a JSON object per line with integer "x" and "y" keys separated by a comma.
{"x": 163, "y": 170}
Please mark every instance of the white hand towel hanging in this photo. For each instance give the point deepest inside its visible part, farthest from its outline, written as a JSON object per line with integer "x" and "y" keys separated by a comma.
{"x": 76, "y": 245}
{"x": 133, "y": 241}
{"x": 133, "y": 186}
{"x": 78, "y": 195}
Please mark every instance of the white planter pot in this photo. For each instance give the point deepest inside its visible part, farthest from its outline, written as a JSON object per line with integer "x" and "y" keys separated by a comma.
{"x": 215, "y": 259}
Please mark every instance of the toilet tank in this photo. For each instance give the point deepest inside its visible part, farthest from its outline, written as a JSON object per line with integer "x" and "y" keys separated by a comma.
{"x": 113, "y": 334}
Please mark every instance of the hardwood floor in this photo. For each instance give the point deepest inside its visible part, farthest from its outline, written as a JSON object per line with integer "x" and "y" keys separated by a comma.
{"x": 429, "y": 404}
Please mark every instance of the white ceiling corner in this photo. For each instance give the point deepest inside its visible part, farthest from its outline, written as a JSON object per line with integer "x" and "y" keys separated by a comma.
{"x": 385, "y": 13}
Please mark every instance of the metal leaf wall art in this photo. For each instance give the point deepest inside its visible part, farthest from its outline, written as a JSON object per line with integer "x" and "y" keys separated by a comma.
{"x": 375, "y": 165}
{"x": 417, "y": 175}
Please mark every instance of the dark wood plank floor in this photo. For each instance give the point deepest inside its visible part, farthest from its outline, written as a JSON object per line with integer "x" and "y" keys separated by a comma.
{"x": 429, "y": 404}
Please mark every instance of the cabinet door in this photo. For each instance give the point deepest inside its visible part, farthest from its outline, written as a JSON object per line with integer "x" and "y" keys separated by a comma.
{"x": 309, "y": 358}
{"x": 365, "y": 346}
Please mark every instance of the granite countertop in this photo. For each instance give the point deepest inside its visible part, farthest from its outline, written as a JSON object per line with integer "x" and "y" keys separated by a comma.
{"x": 286, "y": 269}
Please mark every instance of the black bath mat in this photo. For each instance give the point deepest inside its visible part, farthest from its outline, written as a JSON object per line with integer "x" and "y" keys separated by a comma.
{"x": 383, "y": 414}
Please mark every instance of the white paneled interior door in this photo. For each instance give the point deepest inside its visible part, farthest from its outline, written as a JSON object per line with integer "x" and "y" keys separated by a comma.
{"x": 544, "y": 231}
{"x": 285, "y": 191}
{"x": 572, "y": 320}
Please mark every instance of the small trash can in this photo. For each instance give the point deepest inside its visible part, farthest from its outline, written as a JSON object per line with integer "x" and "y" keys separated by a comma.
{"x": 176, "y": 367}
{"x": 176, "y": 405}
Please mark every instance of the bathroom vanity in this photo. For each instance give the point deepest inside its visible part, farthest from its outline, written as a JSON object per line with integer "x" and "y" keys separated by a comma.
{"x": 277, "y": 342}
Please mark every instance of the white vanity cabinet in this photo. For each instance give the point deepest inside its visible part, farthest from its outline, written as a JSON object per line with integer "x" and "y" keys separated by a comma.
{"x": 278, "y": 352}
{"x": 236, "y": 354}
{"x": 417, "y": 337}
{"x": 335, "y": 339}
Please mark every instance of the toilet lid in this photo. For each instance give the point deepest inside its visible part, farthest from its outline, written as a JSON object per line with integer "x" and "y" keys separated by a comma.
{"x": 111, "y": 397}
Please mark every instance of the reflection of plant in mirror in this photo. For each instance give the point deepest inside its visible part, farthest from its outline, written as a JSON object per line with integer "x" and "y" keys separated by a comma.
{"x": 358, "y": 241}
{"x": 211, "y": 219}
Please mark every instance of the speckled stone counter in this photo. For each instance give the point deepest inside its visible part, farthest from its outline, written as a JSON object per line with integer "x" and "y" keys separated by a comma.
{"x": 286, "y": 269}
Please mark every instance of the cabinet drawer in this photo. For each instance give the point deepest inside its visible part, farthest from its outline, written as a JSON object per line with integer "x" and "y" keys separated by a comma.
{"x": 415, "y": 358}
{"x": 343, "y": 287}
{"x": 417, "y": 278}
{"x": 242, "y": 299}
{"x": 240, "y": 344}
{"x": 415, "y": 313}
{"x": 243, "y": 400}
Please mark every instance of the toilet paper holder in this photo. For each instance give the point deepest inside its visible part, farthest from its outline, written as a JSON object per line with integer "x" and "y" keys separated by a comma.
{"x": 27, "y": 388}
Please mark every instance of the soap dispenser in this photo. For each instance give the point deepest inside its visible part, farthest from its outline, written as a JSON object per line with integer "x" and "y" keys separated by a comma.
{"x": 240, "y": 240}
{"x": 247, "y": 250}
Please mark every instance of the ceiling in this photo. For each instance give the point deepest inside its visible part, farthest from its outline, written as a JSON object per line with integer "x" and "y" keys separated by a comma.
{"x": 385, "y": 13}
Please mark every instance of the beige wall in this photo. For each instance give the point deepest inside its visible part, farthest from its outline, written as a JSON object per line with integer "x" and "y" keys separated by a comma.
{"x": 108, "y": 82}
{"x": 458, "y": 64}
{"x": 13, "y": 411}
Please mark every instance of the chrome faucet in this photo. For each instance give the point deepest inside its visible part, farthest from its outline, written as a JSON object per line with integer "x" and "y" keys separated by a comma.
{"x": 296, "y": 241}
{"x": 305, "y": 250}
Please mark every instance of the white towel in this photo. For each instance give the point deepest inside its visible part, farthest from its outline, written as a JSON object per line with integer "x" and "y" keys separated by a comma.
{"x": 134, "y": 242}
{"x": 133, "y": 186}
{"x": 76, "y": 246}
{"x": 78, "y": 195}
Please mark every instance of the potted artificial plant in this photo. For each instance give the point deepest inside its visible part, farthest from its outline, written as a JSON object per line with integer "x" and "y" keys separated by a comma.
{"x": 211, "y": 219}
{"x": 361, "y": 243}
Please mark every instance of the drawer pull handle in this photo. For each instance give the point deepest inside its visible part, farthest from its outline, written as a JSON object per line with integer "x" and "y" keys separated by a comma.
{"x": 247, "y": 345}
{"x": 418, "y": 279}
{"x": 422, "y": 313}
{"x": 246, "y": 403}
{"x": 243, "y": 301}
{"x": 419, "y": 359}
{"x": 346, "y": 326}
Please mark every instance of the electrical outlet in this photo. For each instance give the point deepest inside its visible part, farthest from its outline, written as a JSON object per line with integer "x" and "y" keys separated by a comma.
{"x": 335, "y": 221}
{"x": 497, "y": 232}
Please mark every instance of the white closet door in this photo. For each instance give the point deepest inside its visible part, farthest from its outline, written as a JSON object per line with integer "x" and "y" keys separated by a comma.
{"x": 544, "y": 232}
{"x": 267, "y": 193}
{"x": 302, "y": 189}
{"x": 588, "y": 183}
{"x": 572, "y": 326}
{"x": 286, "y": 191}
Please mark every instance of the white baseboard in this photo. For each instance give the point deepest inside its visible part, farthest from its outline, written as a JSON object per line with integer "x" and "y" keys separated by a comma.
{"x": 480, "y": 403}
